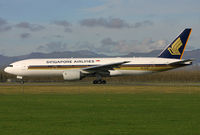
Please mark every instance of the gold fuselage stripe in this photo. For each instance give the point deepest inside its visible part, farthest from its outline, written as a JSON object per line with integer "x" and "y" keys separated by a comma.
{"x": 160, "y": 67}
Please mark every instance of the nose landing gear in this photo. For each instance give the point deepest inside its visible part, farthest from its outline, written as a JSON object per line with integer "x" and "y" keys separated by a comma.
{"x": 21, "y": 79}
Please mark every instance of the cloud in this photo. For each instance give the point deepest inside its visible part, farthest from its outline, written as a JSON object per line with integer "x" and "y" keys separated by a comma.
{"x": 127, "y": 46}
{"x": 120, "y": 47}
{"x": 53, "y": 47}
{"x": 62, "y": 23}
{"x": 137, "y": 8}
{"x": 2, "y": 22}
{"x": 68, "y": 30}
{"x": 58, "y": 36}
{"x": 4, "y": 25}
{"x": 85, "y": 45}
{"x": 108, "y": 7}
{"x": 25, "y": 35}
{"x": 107, "y": 45}
{"x": 29, "y": 26}
{"x": 142, "y": 24}
{"x": 108, "y": 42}
{"x": 116, "y": 23}
{"x": 3, "y": 52}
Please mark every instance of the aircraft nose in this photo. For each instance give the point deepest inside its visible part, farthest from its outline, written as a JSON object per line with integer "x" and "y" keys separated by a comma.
{"x": 10, "y": 70}
{"x": 6, "y": 69}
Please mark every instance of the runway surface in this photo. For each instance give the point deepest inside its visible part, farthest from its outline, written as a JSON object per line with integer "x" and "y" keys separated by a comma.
{"x": 108, "y": 84}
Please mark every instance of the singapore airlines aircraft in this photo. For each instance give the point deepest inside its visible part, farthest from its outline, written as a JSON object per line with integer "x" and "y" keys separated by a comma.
{"x": 78, "y": 68}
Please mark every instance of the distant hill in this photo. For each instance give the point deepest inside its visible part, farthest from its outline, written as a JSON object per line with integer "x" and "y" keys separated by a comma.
{"x": 5, "y": 60}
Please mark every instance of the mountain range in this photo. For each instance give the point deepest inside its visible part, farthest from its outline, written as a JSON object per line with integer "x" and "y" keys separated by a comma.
{"x": 5, "y": 60}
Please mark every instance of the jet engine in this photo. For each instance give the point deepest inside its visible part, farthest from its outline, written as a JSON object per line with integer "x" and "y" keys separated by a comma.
{"x": 71, "y": 75}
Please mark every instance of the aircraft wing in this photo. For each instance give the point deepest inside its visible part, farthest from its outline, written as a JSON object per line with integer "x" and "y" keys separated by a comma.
{"x": 183, "y": 62}
{"x": 104, "y": 67}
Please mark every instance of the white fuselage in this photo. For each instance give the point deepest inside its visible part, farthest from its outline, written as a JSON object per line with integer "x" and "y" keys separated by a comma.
{"x": 56, "y": 67}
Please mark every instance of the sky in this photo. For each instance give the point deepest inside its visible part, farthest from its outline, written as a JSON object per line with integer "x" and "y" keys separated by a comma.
{"x": 112, "y": 27}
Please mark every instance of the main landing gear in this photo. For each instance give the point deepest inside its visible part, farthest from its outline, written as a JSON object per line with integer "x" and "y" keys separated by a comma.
{"x": 99, "y": 82}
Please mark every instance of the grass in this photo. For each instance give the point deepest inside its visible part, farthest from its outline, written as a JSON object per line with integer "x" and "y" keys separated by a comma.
{"x": 99, "y": 110}
{"x": 85, "y": 88}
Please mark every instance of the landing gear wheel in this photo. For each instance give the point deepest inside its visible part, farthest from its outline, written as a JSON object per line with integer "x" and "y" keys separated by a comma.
{"x": 95, "y": 82}
{"x": 22, "y": 81}
{"x": 99, "y": 82}
{"x": 103, "y": 82}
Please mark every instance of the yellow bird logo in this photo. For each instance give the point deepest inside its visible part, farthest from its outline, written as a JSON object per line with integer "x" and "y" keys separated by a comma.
{"x": 174, "y": 49}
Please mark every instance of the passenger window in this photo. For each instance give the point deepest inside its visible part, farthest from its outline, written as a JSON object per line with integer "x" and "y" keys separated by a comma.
{"x": 10, "y": 65}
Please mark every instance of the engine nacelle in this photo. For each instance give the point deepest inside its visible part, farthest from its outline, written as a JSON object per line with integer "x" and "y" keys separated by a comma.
{"x": 71, "y": 75}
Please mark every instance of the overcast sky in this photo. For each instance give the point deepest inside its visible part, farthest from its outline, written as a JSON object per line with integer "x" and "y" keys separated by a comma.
{"x": 112, "y": 27}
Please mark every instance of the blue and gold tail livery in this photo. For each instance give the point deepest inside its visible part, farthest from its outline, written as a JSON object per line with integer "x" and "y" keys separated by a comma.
{"x": 176, "y": 48}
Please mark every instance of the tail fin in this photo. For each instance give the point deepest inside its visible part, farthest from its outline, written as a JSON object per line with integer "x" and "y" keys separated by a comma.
{"x": 176, "y": 49}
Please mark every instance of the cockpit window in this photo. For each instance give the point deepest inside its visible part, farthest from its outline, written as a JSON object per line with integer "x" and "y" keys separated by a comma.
{"x": 10, "y": 66}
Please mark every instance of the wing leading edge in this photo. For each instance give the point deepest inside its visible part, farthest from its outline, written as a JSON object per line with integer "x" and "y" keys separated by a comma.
{"x": 104, "y": 67}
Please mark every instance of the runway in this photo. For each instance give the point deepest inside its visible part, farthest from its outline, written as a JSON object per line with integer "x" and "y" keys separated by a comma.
{"x": 108, "y": 84}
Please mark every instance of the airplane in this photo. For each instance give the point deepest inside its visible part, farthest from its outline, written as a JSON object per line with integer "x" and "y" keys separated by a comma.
{"x": 79, "y": 68}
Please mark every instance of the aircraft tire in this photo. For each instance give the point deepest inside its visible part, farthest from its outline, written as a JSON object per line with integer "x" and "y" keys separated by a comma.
{"x": 103, "y": 82}
{"x": 95, "y": 82}
{"x": 99, "y": 82}
{"x": 22, "y": 81}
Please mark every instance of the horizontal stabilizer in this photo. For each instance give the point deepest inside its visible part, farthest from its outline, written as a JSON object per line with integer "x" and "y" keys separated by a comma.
{"x": 183, "y": 62}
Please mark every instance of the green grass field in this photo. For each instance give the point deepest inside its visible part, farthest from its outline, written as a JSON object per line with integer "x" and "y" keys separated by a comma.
{"x": 100, "y": 110}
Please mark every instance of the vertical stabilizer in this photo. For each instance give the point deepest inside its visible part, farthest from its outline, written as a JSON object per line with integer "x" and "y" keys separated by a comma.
{"x": 176, "y": 48}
